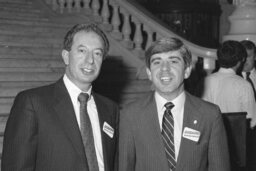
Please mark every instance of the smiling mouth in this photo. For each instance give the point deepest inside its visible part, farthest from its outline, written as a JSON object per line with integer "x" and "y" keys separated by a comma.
{"x": 165, "y": 79}
{"x": 86, "y": 70}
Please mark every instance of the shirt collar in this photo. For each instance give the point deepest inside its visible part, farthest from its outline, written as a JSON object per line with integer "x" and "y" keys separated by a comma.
{"x": 178, "y": 102}
{"x": 227, "y": 71}
{"x": 73, "y": 89}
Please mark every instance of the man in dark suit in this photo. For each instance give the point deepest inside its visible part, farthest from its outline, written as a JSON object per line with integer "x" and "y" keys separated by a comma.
{"x": 169, "y": 129}
{"x": 43, "y": 129}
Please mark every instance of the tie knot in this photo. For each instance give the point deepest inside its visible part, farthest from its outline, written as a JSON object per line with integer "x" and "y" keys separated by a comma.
{"x": 169, "y": 105}
{"x": 248, "y": 74}
{"x": 83, "y": 97}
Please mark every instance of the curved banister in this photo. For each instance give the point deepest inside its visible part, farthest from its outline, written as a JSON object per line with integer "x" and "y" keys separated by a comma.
{"x": 132, "y": 25}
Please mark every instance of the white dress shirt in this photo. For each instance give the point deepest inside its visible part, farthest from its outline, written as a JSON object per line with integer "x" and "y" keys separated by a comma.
{"x": 177, "y": 112}
{"x": 231, "y": 93}
{"x": 74, "y": 92}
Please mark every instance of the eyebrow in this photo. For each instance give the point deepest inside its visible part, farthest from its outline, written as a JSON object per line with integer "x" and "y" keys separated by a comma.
{"x": 83, "y": 46}
{"x": 170, "y": 57}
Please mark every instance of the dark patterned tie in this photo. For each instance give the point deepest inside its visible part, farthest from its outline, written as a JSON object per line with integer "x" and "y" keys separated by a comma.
{"x": 250, "y": 81}
{"x": 86, "y": 132}
{"x": 168, "y": 135}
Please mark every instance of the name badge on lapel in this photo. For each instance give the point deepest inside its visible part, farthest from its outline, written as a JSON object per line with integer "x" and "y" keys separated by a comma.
{"x": 191, "y": 134}
{"x": 108, "y": 129}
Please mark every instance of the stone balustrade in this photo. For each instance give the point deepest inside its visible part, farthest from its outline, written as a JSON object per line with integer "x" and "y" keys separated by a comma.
{"x": 130, "y": 24}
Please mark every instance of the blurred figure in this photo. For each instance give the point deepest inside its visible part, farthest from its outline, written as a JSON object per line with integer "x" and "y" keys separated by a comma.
{"x": 169, "y": 129}
{"x": 226, "y": 89}
{"x": 249, "y": 72}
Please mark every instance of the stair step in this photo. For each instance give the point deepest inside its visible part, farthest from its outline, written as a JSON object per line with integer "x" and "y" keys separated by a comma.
{"x": 21, "y": 15}
{"x": 28, "y": 76}
{"x": 33, "y": 23}
{"x": 5, "y": 109}
{"x": 29, "y": 56}
{"x": 33, "y": 31}
{"x": 11, "y": 9}
{"x": 24, "y": 84}
{"x": 33, "y": 63}
{"x": 40, "y": 39}
{"x": 16, "y": 3}
{"x": 31, "y": 69}
{"x": 51, "y": 44}
{"x": 15, "y": 19}
{"x": 30, "y": 51}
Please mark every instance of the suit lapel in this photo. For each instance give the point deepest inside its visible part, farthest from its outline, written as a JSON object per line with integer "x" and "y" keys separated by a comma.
{"x": 151, "y": 120}
{"x": 191, "y": 120}
{"x": 64, "y": 109}
{"x": 103, "y": 117}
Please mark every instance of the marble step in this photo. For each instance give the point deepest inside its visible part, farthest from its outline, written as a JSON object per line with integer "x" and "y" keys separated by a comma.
{"x": 35, "y": 31}
{"x": 30, "y": 39}
{"x": 33, "y": 23}
{"x": 29, "y": 76}
{"x": 30, "y": 56}
{"x": 16, "y": 3}
{"x": 33, "y": 63}
{"x": 9, "y": 8}
{"x": 20, "y": 15}
{"x": 26, "y": 42}
{"x": 30, "y": 51}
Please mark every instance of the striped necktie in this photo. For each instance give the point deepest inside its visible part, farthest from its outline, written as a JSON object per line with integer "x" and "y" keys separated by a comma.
{"x": 168, "y": 135}
{"x": 86, "y": 133}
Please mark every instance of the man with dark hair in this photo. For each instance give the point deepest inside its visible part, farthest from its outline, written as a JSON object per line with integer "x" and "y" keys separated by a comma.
{"x": 226, "y": 89}
{"x": 249, "y": 71}
{"x": 169, "y": 129}
{"x": 65, "y": 126}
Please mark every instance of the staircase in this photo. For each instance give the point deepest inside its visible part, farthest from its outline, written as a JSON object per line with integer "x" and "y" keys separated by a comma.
{"x": 29, "y": 52}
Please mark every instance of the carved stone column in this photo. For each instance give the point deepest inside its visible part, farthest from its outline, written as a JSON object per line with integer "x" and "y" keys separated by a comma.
{"x": 243, "y": 21}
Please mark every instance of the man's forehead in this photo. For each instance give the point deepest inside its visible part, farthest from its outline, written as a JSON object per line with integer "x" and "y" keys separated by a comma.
{"x": 175, "y": 53}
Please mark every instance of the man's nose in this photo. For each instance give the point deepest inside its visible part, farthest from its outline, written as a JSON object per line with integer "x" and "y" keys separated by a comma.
{"x": 89, "y": 57}
{"x": 165, "y": 66}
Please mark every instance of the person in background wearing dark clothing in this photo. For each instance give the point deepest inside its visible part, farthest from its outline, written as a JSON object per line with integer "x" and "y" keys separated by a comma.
{"x": 65, "y": 126}
{"x": 249, "y": 74}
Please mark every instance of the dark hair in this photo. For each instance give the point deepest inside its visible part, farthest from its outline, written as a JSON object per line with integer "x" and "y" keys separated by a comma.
{"x": 91, "y": 27}
{"x": 249, "y": 45}
{"x": 230, "y": 53}
{"x": 166, "y": 45}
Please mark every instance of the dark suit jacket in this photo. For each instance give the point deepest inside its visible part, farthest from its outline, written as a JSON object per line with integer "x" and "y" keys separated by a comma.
{"x": 140, "y": 142}
{"x": 42, "y": 132}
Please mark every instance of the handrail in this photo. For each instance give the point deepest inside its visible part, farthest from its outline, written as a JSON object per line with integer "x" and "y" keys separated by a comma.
{"x": 132, "y": 25}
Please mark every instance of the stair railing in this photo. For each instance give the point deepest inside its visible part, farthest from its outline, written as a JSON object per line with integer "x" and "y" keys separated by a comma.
{"x": 132, "y": 25}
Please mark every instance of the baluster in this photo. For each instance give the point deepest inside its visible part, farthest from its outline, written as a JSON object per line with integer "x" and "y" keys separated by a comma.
{"x": 138, "y": 39}
{"x": 105, "y": 12}
{"x": 86, "y": 4}
{"x": 115, "y": 21}
{"x": 77, "y": 5}
{"x": 126, "y": 30}
{"x": 69, "y": 5}
{"x": 61, "y": 4}
{"x": 95, "y": 7}
{"x": 138, "y": 36}
{"x": 150, "y": 38}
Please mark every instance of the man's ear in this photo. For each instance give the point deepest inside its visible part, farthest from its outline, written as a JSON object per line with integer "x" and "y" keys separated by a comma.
{"x": 65, "y": 56}
{"x": 188, "y": 70}
{"x": 149, "y": 73}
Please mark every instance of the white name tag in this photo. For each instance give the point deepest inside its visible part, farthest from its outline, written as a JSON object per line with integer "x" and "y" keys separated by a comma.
{"x": 191, "y": 134}
{"x": 108, "y": 129}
